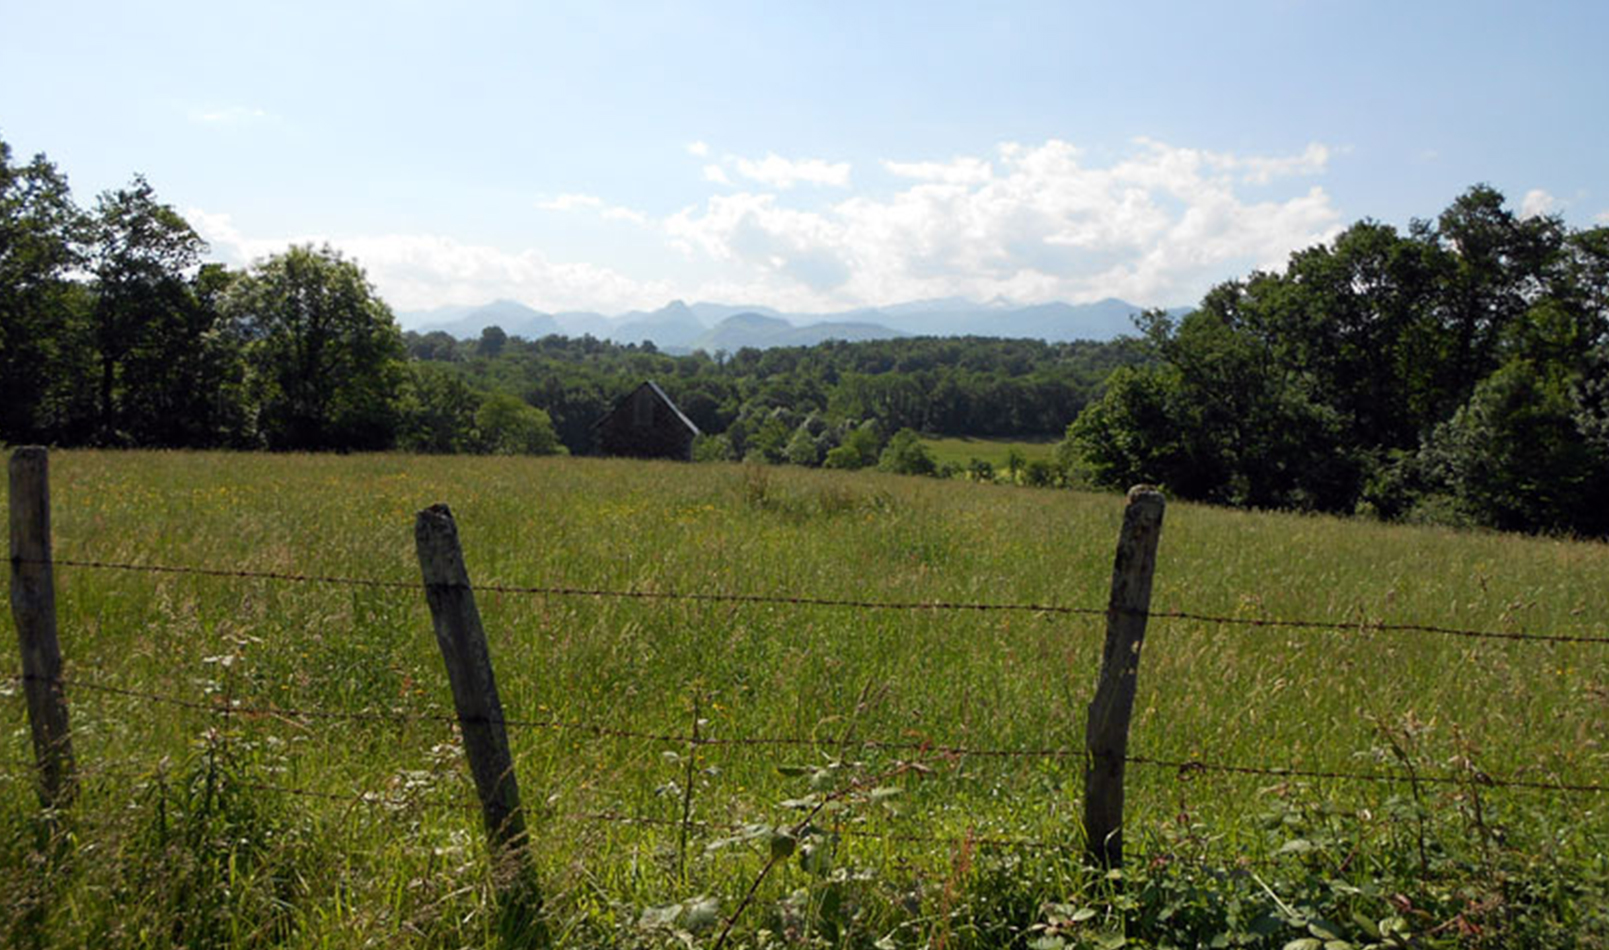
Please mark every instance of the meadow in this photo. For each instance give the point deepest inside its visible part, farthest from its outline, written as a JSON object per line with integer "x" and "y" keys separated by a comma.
{"x": 961, "y": 450}
{"x": 279, "y": 827}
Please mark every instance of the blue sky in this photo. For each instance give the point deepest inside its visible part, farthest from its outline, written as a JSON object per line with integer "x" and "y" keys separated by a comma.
{"x": 812, "y": 156}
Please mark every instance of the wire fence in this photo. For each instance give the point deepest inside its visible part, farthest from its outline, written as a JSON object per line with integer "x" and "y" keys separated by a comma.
{"x": 1358, "y": 625}
{"x": 913, "y": 751}
{"x": 1184, "y": 768}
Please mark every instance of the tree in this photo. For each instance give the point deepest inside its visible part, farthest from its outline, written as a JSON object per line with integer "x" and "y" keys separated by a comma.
{"x": 906, "y": 454}
{"x": 866, "y": 441}
{"x": 492, "y": 341}
{"x": 508, "y": 425}
{"x": 438, "y": 411}
{"x": 323, "y": 350}
{"x": 801, "y": 449}
{"x": 39, "y": 230}
{"x": 1515, "y": 457}
{"x": 148, "y": 328}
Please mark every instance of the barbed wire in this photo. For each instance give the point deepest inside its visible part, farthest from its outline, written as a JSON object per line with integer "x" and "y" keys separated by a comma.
{"x": 1360, "y": 625}
{"x": 1185, "y": 768}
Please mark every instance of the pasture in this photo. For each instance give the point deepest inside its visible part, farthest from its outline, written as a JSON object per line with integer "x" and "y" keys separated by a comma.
{"x": 960, "y": 451}
{"x": 335, "y": 808}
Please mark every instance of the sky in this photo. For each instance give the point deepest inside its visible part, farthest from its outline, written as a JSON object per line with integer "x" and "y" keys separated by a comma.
{"x": 813, "y": 157}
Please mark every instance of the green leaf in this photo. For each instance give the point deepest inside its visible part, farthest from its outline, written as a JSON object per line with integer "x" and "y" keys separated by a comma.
{"x": 793, "y": 771}
{"x": 1370, "y": 928}
{"x": 1323, "y": 929}
{"x": 782, "y": 844}
{"x": 1304, "y": 943}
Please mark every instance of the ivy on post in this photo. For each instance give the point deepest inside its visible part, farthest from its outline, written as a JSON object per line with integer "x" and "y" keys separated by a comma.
{"x": 1106, "y": 734}
{"x": 33, "y": 607}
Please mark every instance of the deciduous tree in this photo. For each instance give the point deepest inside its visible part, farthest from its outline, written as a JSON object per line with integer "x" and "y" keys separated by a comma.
{"x": 324, "y": 352}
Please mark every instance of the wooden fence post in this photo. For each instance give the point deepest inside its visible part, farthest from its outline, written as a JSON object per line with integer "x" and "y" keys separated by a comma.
{"x": 33, "y": 606}
{"x": 469, "y": 669}
{"x": 1106, "y": 735}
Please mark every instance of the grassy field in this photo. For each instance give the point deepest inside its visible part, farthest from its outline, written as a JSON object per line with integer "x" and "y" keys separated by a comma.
{"x": 961, "y": 451}
{"x": 181, "y": 838}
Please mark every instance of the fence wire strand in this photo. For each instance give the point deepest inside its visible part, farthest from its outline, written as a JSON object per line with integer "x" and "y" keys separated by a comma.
{"x": 1362, "y": 625}
{"x": 1184, "y": 768}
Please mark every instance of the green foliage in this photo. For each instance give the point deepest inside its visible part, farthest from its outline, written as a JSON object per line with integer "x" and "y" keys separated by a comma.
{"x": 802, "y": 449}
{"x": 844, "y": 458}
{"x": 769, "y": 443}
{"x": 712, "y": 448}
{"x": 1515, "y": 457}
{"x": 507, "y": 425}
{"x": 438, "y": 411}
{"x": 169, "y": 369}
{"x": 907, "y": 455}
{"x": 1377, "y": 373}
{"x": 39, "y": 232}
{"x": 324, "y": 352}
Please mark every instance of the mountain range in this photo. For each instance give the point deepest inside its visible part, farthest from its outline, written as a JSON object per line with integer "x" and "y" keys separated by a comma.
{"x": 679, "y": 327}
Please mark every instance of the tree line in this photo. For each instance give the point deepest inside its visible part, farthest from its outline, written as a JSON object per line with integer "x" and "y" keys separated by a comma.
{"x": 1457, "y": 372}
{"x": 114, "y": 332}
{"x": 786, "y": 404}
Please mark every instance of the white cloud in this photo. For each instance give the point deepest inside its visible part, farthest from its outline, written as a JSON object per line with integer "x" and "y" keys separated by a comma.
{"x": 784, "y": 173}
{"x": 699, "y": 149}
{"x": 1032, "y": 223}
{"x": 1601, "y": 217}
{"x": 1157, "y": 226}
{"x": 579, "y": 202}
{"x": 417, "y": 271}
{"x": 959, "y": 171}
{"x": 1259, "y": 170}
{"x": 1537, "y": 203}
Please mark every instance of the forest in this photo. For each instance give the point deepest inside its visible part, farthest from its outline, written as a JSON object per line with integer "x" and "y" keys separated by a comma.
{"x": 1457, "y": 372}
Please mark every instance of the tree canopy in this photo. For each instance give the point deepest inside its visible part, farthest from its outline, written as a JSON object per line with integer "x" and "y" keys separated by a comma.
{"x": 1452, "y": 372}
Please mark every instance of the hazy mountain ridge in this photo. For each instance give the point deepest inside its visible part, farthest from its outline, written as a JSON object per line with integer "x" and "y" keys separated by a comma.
{"x": 679, "y": 326}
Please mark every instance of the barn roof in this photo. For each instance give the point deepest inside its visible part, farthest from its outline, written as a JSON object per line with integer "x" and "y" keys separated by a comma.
{"x": 660, "y": 393}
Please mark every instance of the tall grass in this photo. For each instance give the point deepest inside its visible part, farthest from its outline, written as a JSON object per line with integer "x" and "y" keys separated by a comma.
{"x": 178, "y": 838}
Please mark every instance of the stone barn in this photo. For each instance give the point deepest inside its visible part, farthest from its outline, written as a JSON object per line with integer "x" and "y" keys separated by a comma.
{"x": 646, "y": 424}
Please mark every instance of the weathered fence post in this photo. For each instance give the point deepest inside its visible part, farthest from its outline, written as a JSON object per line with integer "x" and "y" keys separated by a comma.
{"x": 33, "y": 606}
{"x": 1106, "y": 735}
{"x": 469, "y": 669}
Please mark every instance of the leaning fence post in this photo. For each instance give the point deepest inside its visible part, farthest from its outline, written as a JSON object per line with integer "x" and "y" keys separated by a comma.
{"x": 1106, "y": 735}
{"x": 33, "y": 606}
{"x": 469, "y": 669}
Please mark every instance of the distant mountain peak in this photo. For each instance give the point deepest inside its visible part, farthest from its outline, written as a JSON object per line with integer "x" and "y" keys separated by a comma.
{"x": 711, "y": 326}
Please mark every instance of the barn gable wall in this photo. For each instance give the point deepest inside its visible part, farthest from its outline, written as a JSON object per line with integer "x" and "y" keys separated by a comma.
{"x": 645, "y": 424}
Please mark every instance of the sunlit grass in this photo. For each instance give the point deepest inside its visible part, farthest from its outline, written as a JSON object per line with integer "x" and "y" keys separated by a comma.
{"x": 1329, "y": 700}
{"x": 960, "y": 451}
